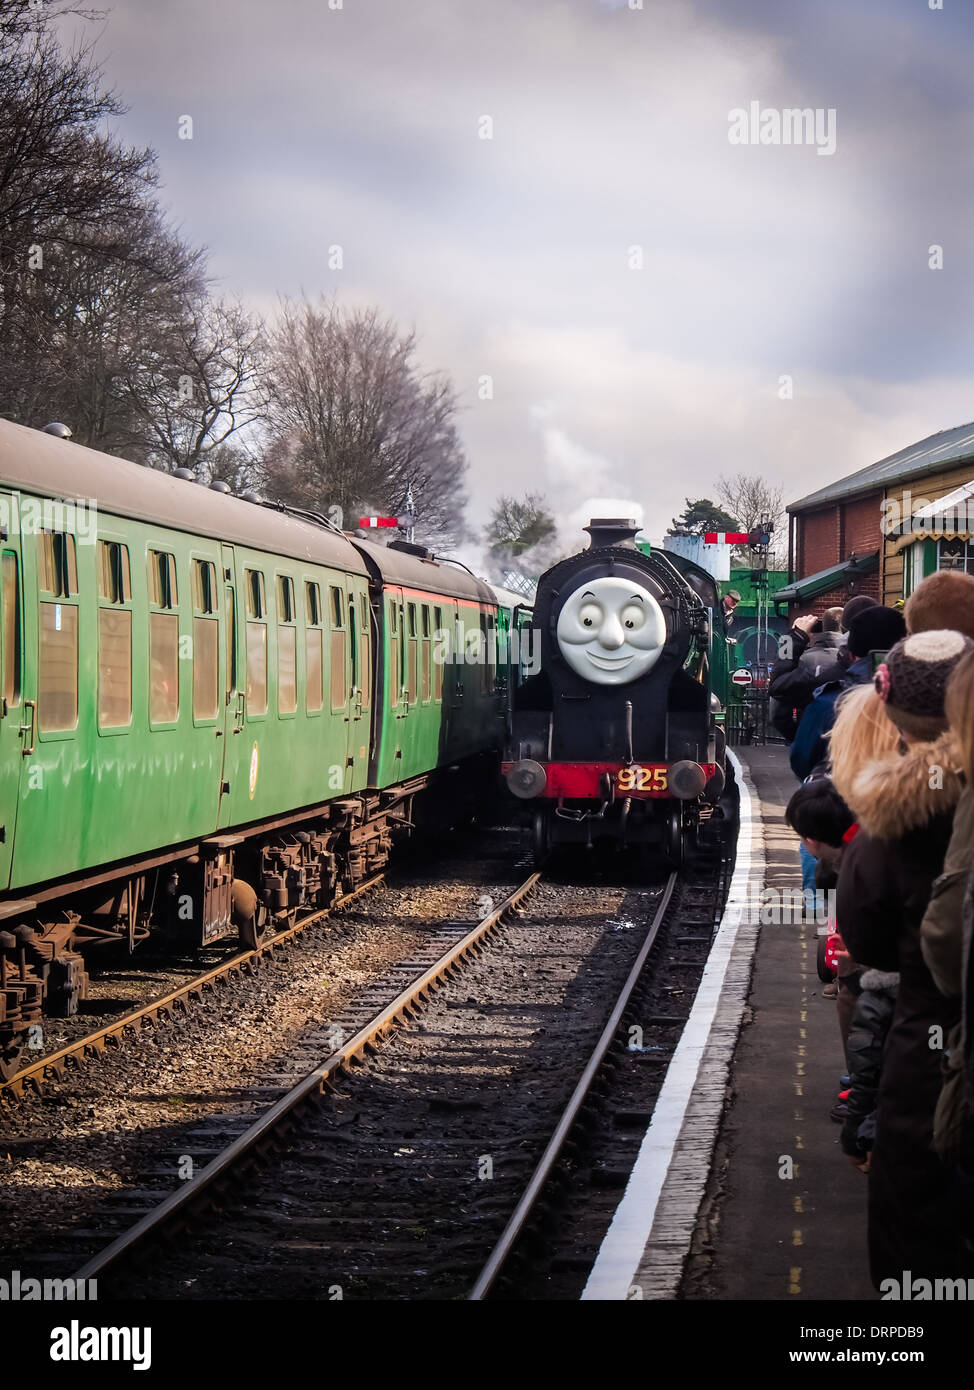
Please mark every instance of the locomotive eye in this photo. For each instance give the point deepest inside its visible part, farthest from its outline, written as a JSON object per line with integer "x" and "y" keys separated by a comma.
{"x": 590, "y": 615}
{"x": 633, "y": 617}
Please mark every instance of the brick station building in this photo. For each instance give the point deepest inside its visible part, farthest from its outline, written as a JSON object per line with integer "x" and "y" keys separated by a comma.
{"x": 881, "y": 530}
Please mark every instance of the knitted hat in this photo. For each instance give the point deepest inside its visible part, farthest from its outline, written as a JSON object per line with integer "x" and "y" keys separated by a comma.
{"x": 875, "y": 629}
{"x": 944, "y": 599}
{"x": 856, "y": 605}
{"x": 913, "y": 678}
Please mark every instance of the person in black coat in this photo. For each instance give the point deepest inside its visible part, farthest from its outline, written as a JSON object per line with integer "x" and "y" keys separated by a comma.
{"x": 905, "y": 807}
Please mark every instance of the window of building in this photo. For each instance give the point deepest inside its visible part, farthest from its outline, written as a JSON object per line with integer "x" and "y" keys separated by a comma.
{"x": 956, "y": 554}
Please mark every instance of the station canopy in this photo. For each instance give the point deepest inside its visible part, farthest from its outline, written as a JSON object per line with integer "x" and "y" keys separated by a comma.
{"x": 814, "y": 584}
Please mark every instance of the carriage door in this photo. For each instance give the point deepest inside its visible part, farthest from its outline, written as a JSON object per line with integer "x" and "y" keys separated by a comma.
{"x": 360, "y": 681}
{"x": 340, "y": 675}
{"x": 236, "y": 762}
{"x": 16, "y": 720}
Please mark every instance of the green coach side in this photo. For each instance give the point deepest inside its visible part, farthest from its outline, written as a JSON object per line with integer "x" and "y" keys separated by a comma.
{"x": 159, "y": 681}
{"x": 438, "y": 697}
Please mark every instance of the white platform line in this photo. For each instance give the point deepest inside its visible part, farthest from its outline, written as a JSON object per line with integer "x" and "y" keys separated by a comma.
{"x": 614, "y": 1273}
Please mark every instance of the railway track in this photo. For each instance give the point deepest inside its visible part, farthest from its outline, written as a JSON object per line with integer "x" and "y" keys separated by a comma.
{"x": 73, "y": 1056}
{"x": 279, "y": 1118}
{"x": 379, "y": 1191}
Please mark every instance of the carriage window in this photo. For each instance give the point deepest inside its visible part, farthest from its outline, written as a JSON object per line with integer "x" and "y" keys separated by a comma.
{"x": 163, "y": 668}
{"x": 256, "y": 600}
{"x": 313, "y": 650}
{"x": 312, "y": 594}
{"x": 163, "y": 638}
{"x": 231, "y": 616}
{"x": 287, "y": 647}
{"x": 206, "y": 668}
{"x": 114, "y": 575}
{"x": 413, "y": 655}
{"x": 11, "y": 630}
{"x": 206, "y": 642}
{"x": 256, "y": 668}
{"x": 393, "y": 654}
{"x": 162, "y": 579}
{"x": 427, "y": 654}
{"x": 114, "y": 667}
{"x": 285, "y": 599}
{"x": 491, "y": 654}
{"x": 339, "y": 690}
{"x": 366, "y": 645}
{"x": 204, "y": 586}
{"x": 438, "y": 665}
{"x": 57, "y": 563}
{"x": 57, "y": 675}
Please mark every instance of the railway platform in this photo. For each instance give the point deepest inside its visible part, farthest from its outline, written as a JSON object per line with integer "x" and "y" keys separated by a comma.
{"x": 741, "y": 1190}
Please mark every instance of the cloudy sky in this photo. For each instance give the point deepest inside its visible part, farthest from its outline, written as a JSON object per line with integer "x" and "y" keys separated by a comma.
{"x": 515, "y": 257}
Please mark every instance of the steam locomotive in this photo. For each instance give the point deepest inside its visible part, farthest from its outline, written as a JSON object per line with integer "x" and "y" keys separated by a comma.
{"x": 618, "y": 735}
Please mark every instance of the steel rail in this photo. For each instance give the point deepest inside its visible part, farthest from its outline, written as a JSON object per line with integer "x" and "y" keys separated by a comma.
{"x": 539, "y": 1178}
{"x": 53, "y": 1066}
{"x": 315, "y": 1082}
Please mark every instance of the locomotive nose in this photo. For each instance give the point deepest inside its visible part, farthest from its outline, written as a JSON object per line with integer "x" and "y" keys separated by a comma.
{"x": 611, "y": 635}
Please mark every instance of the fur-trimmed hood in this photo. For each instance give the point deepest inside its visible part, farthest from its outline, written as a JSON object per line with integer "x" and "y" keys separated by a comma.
{"x": 903, "y": 792}
{"x": 880, "y": 980}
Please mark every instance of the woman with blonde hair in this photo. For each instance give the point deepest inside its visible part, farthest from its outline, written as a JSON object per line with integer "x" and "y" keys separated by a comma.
{"x": 862, "y": 732}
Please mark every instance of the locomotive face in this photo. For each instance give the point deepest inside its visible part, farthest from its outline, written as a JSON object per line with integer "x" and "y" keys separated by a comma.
{"x": 611, "y": 631}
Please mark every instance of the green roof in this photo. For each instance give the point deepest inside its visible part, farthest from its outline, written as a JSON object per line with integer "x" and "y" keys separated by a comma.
{"x": 937, "y": 450}
{"x": 820, "y": 583}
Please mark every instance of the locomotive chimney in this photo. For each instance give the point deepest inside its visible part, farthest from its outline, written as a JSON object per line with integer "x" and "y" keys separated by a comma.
{"x": 611, "y": 530}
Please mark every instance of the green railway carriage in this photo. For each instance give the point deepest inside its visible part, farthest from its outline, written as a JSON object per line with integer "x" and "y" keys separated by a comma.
{"x": 214, "y": 712}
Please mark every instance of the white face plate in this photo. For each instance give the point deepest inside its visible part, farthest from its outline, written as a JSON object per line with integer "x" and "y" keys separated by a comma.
{"x": 611, "y": 631}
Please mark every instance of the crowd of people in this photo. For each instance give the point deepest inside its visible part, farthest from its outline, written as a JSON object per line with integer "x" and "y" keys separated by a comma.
{"x": 878, "y": 707}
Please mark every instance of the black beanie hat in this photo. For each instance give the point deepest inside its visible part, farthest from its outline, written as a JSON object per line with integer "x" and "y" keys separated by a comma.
{"x": 875, "y": 630}
{"x": 856, "y": 605}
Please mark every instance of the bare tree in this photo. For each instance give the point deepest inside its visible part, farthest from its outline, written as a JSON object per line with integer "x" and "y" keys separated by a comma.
{"x": 201, "y": 383}
{"x": 753, "y": 499}
{"x": 354, "y": 420}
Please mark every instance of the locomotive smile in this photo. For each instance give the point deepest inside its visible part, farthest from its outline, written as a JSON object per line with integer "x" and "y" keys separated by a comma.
{"x": 609, "y": 663}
